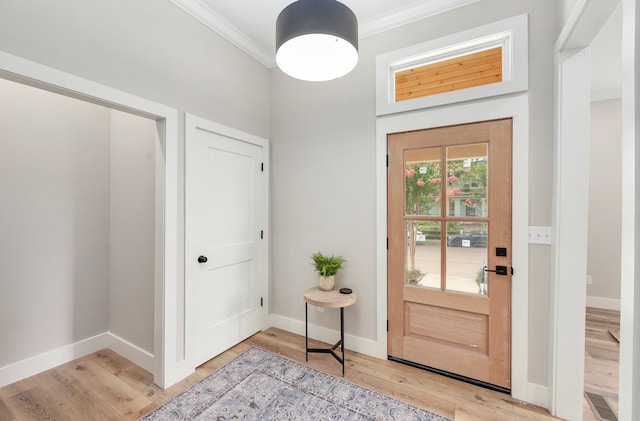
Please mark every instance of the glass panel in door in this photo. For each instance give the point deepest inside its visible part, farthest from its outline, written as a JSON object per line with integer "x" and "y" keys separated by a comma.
{"x": 423, "y": 201}
{"x": 467, "y": 180}
{"x": 467, "y": 257}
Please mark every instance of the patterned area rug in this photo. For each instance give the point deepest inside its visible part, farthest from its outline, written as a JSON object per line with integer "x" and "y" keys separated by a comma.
{"x": 260, "y": 385}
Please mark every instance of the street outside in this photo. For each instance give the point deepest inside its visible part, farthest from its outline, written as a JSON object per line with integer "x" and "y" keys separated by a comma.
{"x": 463, "y": 265}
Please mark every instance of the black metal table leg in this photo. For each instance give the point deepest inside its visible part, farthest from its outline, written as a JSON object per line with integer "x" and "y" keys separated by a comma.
{"x": 306, "y": 331}
{"x": 342, "y": 336}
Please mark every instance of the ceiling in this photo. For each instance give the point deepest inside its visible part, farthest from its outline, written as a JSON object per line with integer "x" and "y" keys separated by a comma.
{"x": 250, "y": 24}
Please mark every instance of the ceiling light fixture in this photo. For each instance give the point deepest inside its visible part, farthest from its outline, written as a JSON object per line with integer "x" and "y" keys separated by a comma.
{"x": 317, "y": 40}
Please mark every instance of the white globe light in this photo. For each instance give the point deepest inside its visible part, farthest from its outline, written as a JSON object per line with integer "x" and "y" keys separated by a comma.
{"x": 316, "y": 40}
{"x": 317, "y": 57}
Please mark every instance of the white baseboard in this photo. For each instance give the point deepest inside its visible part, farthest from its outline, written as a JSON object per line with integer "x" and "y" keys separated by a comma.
{"x": 331, "y": 336}
{"x": 130, "y": 351}
{"x": 48, "y": 360}
{"x": 604, "y": 303}
{"x": 538, "y": 395}
{"x": 39, "y": 363}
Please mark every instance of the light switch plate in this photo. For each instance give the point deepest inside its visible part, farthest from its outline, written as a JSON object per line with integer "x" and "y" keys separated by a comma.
{"x": 539, "y": 235}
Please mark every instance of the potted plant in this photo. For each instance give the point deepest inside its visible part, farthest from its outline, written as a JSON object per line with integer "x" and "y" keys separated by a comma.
{"x": 327, "y": 267}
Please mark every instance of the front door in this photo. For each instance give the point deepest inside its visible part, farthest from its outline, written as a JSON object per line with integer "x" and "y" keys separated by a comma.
{"x": 449, "y": 257}
{"x": 225, "y": 249}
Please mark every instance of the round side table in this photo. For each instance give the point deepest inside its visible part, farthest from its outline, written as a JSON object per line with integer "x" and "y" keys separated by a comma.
{"x": 327, "y": 299}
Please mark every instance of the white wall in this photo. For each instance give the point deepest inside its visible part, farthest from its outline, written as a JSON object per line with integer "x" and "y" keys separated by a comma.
{"x": 131, "y": 229}
{"x": 323, "y": 162}
{"x": 605, "y": 201}
{"x": 54, "y": 221}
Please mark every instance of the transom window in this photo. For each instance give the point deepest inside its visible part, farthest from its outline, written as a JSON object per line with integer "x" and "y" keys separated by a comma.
{"x": 478, "y": 63}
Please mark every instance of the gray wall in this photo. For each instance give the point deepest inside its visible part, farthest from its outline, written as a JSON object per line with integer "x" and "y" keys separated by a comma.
{"x": 54, "y": 221}
{"x": 131, "y": 229}
{"x": 605, "y": 199}
{"x": 148, "y": 48}
{"x": 77, "y": 223}
{"x": 323, "y": 169}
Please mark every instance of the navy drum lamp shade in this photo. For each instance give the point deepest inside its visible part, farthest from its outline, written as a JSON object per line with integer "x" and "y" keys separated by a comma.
{"x": 316, "y": 40}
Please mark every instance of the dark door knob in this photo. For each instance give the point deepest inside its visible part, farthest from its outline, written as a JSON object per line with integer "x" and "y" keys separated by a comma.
{"x": 202, "y": 259}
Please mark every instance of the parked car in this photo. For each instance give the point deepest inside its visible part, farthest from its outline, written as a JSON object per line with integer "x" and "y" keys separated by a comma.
{"x": 420, "y": 237}
{"x": 468, "y": 239}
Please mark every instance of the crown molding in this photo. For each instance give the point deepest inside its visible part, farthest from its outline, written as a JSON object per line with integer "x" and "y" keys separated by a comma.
{"x": 224, "y": 28}
{"x": 408, "y": 14}
{"x": 384, "y": 22}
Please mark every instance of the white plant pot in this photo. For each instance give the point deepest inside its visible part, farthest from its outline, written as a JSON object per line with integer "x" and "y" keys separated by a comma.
{"x": 326, "y": 283}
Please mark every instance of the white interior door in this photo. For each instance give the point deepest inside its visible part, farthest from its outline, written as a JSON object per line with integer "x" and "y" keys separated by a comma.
{"x": 225, "y": 245}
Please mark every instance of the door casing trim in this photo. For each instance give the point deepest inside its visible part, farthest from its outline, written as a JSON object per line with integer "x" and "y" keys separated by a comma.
{"x": 516, "y": 107}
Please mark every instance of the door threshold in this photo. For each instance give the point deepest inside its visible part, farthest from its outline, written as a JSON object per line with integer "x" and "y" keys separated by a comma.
{"x": 452, "y": 375}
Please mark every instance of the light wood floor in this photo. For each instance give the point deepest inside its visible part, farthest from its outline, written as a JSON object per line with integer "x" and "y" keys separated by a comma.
{"x": 106, "y": 386}
{"x": 601, "y": 358}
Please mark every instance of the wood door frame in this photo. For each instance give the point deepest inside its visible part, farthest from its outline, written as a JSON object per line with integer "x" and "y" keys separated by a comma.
{"x": 517, "y": 108}
{"x": 169, "y": 365}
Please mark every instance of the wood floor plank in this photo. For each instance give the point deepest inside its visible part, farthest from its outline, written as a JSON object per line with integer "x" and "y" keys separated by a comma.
{"x": 5, "y": 412}
{"x": 30, "y": 405}
{"x": 125, "y": 402}
{"x": 66, "y": 398}
{"x": 107, "y": 386}
{"x": 602, "y": 355}
{"x": 17, "y": 387}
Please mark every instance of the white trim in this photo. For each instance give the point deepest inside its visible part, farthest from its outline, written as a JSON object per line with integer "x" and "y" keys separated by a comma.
{"x": 538, "y": 395}
{"x": 410, "y": 13}
{"x": 168, "y": 365}
{"x": 516, "y": 107}
{"x": 604, "y": 303}
{"x": 132, "y": 352}
{"x": 629, "y": 385}
{"x": 569, "y": 247}
{"x": 48, "y": 360}
{"x": 516, "y": 53}
{"x": 583, "y": 24}
{"x": 321, "y": 333}
{"x": 568, "y": 262}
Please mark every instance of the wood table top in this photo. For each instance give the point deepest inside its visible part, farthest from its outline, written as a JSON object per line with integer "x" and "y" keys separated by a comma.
{"x": 330, "y": 299}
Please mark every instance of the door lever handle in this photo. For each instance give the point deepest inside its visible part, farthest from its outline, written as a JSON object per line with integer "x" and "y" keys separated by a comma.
{"x": 499, "y": 270}
{"x": 202, "y": 259}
